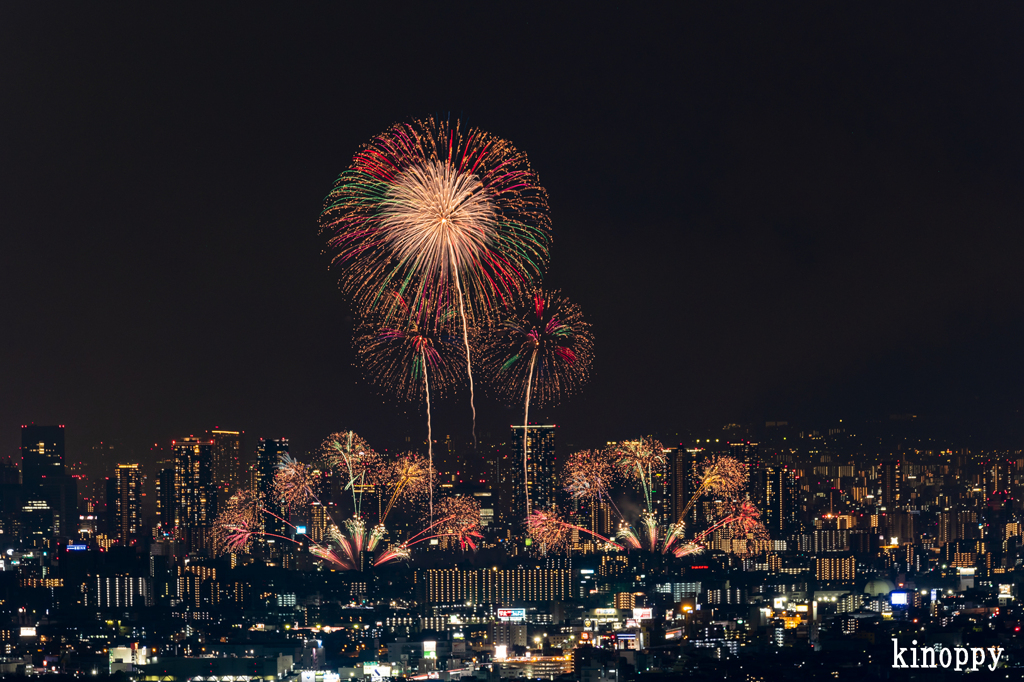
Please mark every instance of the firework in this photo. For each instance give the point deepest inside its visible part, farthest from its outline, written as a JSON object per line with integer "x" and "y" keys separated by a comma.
{"x": 589, "y": 474}
{"x": 409, "y": 477}
{"x": 551, "y": 533}
{"x": 413, "y": 360}
{"x": 639, "y": 460}
{"x": 237, "y": 522}
{"x": 460, "y": 518}
{"x": 720, "y": 475}
{"x": 448, "y": 217}
{"x": 541, "y": 352}
{"x": 547, "y": 530}
{"x": 354, "y": 461}
{"x": 293, "y": 482}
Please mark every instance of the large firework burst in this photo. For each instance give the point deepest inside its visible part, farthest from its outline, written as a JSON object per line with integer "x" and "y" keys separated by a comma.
{"x": 447, "y": 217}
{"x": 540, "y": 352}
{"x": 432, "y": 209}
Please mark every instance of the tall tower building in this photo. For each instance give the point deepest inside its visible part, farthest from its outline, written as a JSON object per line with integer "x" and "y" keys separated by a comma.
{"x": 682, "y": 473}
{"x": 195, "y": 495}
{"x": 42, "y": 453}
{"x": 227, "y": 460}
{"x": 128, "y": 479}
{"x": 268, "y": 453}
{"x": 890, "y": 482}
{"x": 165, "y": 500}
{"x": 541, "y": 474}
{"x": 45, "y": 480}
{"x": 780, "y": 500}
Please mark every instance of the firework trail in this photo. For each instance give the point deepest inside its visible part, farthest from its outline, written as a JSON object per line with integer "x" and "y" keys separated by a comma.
{"x": 722, "y": 476}
{"x": 408, "y": 477}
{"x": 446, "y": 216}
{"x": 640, "y": 460}
{"x": 410, "y": 360}
{"x": 293, "y": 482}
{"x": 551, "y": 533}
{"x": 541, "y": 351}
{"x": 354, "y": 461}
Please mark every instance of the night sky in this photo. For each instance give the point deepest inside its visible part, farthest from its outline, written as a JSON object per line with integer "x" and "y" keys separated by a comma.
{"x": 805, "y": 213}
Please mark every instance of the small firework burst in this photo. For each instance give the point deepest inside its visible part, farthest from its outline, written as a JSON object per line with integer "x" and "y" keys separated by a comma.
{"x": 294, "y": 482}
{"x": 351, "y": 457}
{"x": 410, "y": 477}
{"x": 459, "y": 518}
{"x": 588, "y": 475}
{"x": 238, "y": 521}
{"x": 408, "y": 358}
{"x": 724, "y": 476}
{"x": 640, "y": 461}
{"x": 547, "y": 530}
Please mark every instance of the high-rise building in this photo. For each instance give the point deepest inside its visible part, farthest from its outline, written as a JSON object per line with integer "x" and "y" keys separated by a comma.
{"x": 42, "y": 453}
{"x": 682, "y": 471}
{"x": 195, "y": 494}
{"x": 780, "y": 499}
{"x": 128, "y": 479}
{"x": 165, "y": 499}
{"x": 226, "y": 460}
{"x": 890, "y": 481}
{"x": 269, "y": 452}
{"x": 45, "y": 480}
{"x": 541, "y": 474}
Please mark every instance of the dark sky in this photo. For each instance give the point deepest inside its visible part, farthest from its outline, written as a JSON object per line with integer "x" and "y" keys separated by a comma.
{"x": 800, "y": 213}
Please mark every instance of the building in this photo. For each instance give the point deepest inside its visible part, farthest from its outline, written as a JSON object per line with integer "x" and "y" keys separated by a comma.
{"x": 489, "y": 586}
{"x": 195, "y": 495}
{"x": 128, "y": 502}
{"x": 165, "y": 506}
{"x": 780, "y": 500}
{"x": 891, "y": 480}
{"x": 42, "y": 453}
{"x": 835, "y": 568}
{"x": 226, "y": 460}
{"x": 44, "y": 480}
{"x": 269, "y": 452}
{"x": 541, "y": 471}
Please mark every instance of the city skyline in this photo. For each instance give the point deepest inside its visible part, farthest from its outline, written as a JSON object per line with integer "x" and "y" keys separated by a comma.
{"x": 481, "y": 342}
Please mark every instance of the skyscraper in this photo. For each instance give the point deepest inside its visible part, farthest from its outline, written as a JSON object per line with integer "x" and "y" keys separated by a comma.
{"x": 227, "y": 460}
{"x": 42, "y": 453}
{"x": 682, "y": 470}
{"x": 541, "y": 479}
{"x": 165, "y": 499}
{"x": 269, "y": 452}
{"x": 195, "y": 494}
{"x": 128, "y": 479}
{"x": 45, "y": 480}
{"x": 779, "y": 499}
{"x": 891, "y": 479}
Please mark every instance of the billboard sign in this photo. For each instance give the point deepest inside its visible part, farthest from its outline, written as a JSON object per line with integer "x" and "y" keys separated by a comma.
{"x": 511, "y": 614}
{"x": 643, "y": 614}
